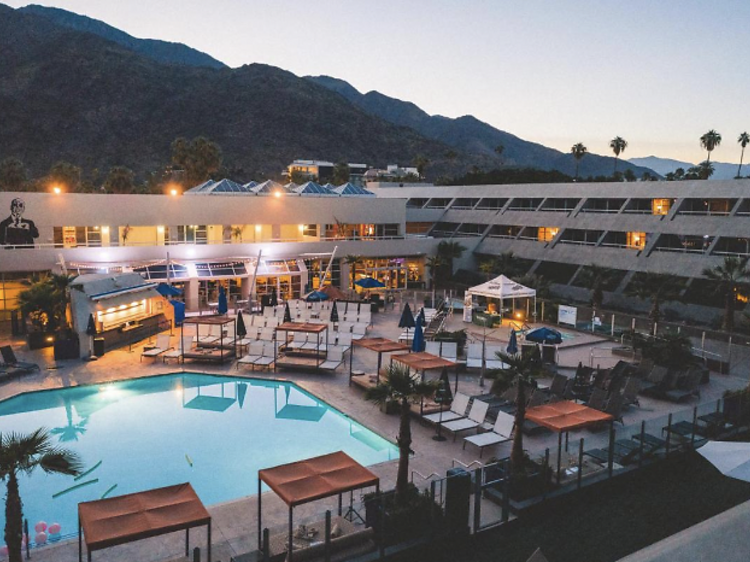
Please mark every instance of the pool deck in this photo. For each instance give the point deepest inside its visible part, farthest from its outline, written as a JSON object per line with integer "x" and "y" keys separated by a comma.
{"x": 235, "y": 522}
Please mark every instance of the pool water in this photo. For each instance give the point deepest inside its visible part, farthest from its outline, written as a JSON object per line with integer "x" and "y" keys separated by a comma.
{"x": 215, "y": 432}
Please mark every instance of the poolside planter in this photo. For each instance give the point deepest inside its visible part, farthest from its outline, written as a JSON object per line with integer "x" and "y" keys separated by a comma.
{"x": 67, "y": 346}
{"x": 39, "y": 340}
{"x": 395, "y": 523}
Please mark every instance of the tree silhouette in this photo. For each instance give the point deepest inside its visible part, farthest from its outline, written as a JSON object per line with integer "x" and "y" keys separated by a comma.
{"x": 618, "y": 145}
{"x": 743, "y": 140}
{"x": 709, "y": 142}
{"x": 579, "y": 151}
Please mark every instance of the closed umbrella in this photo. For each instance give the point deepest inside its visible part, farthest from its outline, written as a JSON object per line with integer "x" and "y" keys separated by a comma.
{"x": 417, "y": 343}
{"x": 287, "y": 313}
{"x": 241, "y": 330}
{"x": 443, "y": 396}
{"x": 407, "y": 319}
{"x": 91, "y": 327}
{"x": 316, "y": 296}
{"x": 274, "y": 298}
{"x": 421, "y": 320}
{"x": 334, "y": 313}
{"x": 223, "y": 305}
{"x": 512, "y": 348}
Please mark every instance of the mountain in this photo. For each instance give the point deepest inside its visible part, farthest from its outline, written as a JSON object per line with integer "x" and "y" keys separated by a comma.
{"x": 471, "y": 135}
{"x": 160, "y": 51}
{"x": 662, "y": 166}
{"x": 76, "y": 96}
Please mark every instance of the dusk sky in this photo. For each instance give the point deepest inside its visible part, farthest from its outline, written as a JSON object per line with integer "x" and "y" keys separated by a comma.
{"x": 659, "y": 74}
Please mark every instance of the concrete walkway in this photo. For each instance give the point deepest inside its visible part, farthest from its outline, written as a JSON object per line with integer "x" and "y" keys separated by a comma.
{"x": 721, "y": 538}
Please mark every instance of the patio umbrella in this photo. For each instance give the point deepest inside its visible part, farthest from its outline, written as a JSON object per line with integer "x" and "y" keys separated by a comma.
{"x": 333, "y": 292}
{"x": 316, "y": 296}
{"x": 544, "y": 335}
{"x": 421, "y": 320}
{"x": 512, "y": 348}
{"x": 241, "y": 330}
{"x": 730, "y": 458}
{"x": 407, "y": 318}
{"x": 443, "y": 395}
{"x": 274, "y": 298}
{"x": 369, "y": 283}
{"x": 417, "y": 344}
{"x": 223, "y": 306}
{"x": 287, "y": 313}
{"x": 91, "y": 328}
{"x": 334, "y": 313}
{"x": 167, "y": 290}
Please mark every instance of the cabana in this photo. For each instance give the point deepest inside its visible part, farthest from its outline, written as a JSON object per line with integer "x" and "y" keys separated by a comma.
{"x": 309, "y": 480}
{"x": 502, "y": 288}
{"x": 563, "y": 417}
{"x": 132, "y": 517}
{"x": 422, "y": 362}
{"x": 221, "y": 347}
{"x": 308, "y": 356}
{"x": 378, "y": 345}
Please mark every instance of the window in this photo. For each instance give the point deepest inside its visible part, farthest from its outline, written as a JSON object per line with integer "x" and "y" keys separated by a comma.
{"x": 547, "y": 233}
{"x": 192, "y": 234}
{"x": 310, "y": 230}
{"x": 661, "y": 206}
{"x": 636, "y": 240}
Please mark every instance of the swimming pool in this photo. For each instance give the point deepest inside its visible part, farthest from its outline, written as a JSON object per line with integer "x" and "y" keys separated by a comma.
{"x": 213, "y": 431}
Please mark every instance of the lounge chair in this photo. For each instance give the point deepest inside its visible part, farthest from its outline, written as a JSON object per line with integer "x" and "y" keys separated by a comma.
{"x": 344, "y": 341}
{"x": 457, "y": 411}
{"x": 333, "y": 361}
{"x": 266, "y": 358}
{"x": 254, "y": 353}
{"x": 11, "y": 362}
{"x": 213, "y": 336}
{"x": 687, "y": 386}
{"x": 653, "y": 382}
{"x": 614, "y": 407}
{"x": 598, "y": 398}
{"x": 474, "y": 356}
{"x": 630, "y": 391}
{"x": 557, "y": 388}
{"x": 432, "y": 347}
{"x": 162, "y": 346}
{"x": 298, "y": 341}
{"x": 537, "y": 398}
{"x": 476, "y": 417}
{"x": 449, "y": 351}
{"x": 187, "y": 345}
{"x": 501, "y": 432}
{"x": 491, "y": 360}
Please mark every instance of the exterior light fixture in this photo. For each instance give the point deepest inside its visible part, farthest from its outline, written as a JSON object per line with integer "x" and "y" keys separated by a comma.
{"x": 277, "y": 194}
{"x": 56, "y": 190}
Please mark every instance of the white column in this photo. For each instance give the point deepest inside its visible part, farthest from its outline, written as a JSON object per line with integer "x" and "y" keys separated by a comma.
{"x": 191, "y": 294}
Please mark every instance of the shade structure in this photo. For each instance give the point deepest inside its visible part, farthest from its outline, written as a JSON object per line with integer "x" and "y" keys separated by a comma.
{"x": 287, "y": 313}
{"x": 91, "y": 327}
{"x": 122, "y": 519}
{"x": 502, "y": 287}
{"x": 544, "y": 335}
{"x": 512, "y": 343}
{"x": 730, "y": 458}
{"x": 241, "y": 329}
{"x": 312, "y": 479}
{"x": 407, "y": 318}
{"x": 423, "y": 361}
{"x": 333, "y": 293}
{"x": 566, "y": 416}
{"x": 167, "y": 290}
{"x": 316, "y": 296}
{"x": 369, "y": 283}
{"x": 334, "y": 313}
{"x": 417, "y": 342}
{"x": 223, "y": 305}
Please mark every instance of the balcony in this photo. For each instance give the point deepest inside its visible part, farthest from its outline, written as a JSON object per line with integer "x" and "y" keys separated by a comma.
{"x": 580, "y": 237}
{"x": 504, "y": 231}
{"x": 706, "y": 207}
{"x": 560, "y": 204}
{"x": 491, "y": 203}
{"x": 525, "y": 204}
{"x": 605, "y": 205}
{"x": 686, "y": 244}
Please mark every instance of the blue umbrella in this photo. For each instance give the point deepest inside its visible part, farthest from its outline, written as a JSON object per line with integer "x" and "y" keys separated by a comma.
{"x": 417, "y": 344}
{"x": 179, "y": 312}
{"x": 421, "y": 320}
{"x": 544, "y": 335}
{"x": 316, "y": 296}
{"x": 369, "y": 283}
{"x": 223, "y": 306}
{"x": 167, "y": 290}
{"x": 512, "y": 348}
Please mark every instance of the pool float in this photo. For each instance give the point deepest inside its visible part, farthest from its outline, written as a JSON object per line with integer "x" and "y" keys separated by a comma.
{"x": 40, "y": 538}
{"x": 40, "y": 527}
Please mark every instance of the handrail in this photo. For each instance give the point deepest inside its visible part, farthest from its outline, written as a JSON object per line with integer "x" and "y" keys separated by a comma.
{"x": 479, "y": 463}
{"x": 422, "y": 476}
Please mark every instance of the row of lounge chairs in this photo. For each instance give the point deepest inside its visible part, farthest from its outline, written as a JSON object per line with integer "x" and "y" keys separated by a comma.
{"x": 672, "y": 385}
{"x": 491, "y": 360}
{"x": 11, "y": 366}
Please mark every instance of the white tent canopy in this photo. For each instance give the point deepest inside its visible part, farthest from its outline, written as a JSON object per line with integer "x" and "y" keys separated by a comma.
{"x": 502, "y": 287}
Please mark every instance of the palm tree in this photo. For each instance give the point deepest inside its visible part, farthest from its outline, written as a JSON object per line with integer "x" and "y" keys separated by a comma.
{"x": 595, "y": 278}
{"x": 618, "y": 145}
{"x": 729, "y": 277}
{"x": 352, "y": 261}
{"x": 399, "y": 385}
{"x": 578, "y": 151}
{"x": 434, "y": 263}
{"x": 743, "y": 140}
{"x": 24, "y": 453}
{"x": 705, "y": 170}
{"x": 709, "y": 141}
{"x": 522, "y": 369}
{"x": 450, "y": 251}
{"x": 657, "y": 288}
{"x": 421, "y": 164}
{"x": 488, "y": 267}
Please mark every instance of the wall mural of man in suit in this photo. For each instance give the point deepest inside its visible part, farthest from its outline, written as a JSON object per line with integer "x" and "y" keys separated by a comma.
{"x": 16, "y": 230}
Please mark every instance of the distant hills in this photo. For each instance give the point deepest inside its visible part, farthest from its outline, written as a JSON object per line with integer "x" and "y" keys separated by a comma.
{"x": 473, "y": 136}
{"x": 160, "y": 51}
{"x": 76, "y": 89}
{"x": 662, "y": 166}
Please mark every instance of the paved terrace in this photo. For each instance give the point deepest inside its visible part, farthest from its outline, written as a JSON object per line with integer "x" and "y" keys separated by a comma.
{"x": 235, "y": 522}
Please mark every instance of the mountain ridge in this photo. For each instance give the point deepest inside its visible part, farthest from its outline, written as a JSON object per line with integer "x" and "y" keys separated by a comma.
{"x": 722, "y": 170}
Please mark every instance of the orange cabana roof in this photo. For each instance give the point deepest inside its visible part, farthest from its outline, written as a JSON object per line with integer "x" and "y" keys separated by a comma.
{"x": 381, "y": 345}
{"x": 423, "y": 361}
{"x": 320, "y": 477}
{"x": 565, "y": 416}
{"x": 123, "y": 519}
{"x": 306, "y": 327}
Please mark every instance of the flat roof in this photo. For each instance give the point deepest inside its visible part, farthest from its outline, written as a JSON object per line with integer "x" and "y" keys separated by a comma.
{"x": 423, "y": 361}
{"x": 215, "y": 320}
{"x": 566, "y": 415}
{"x": 381, "y": 345}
